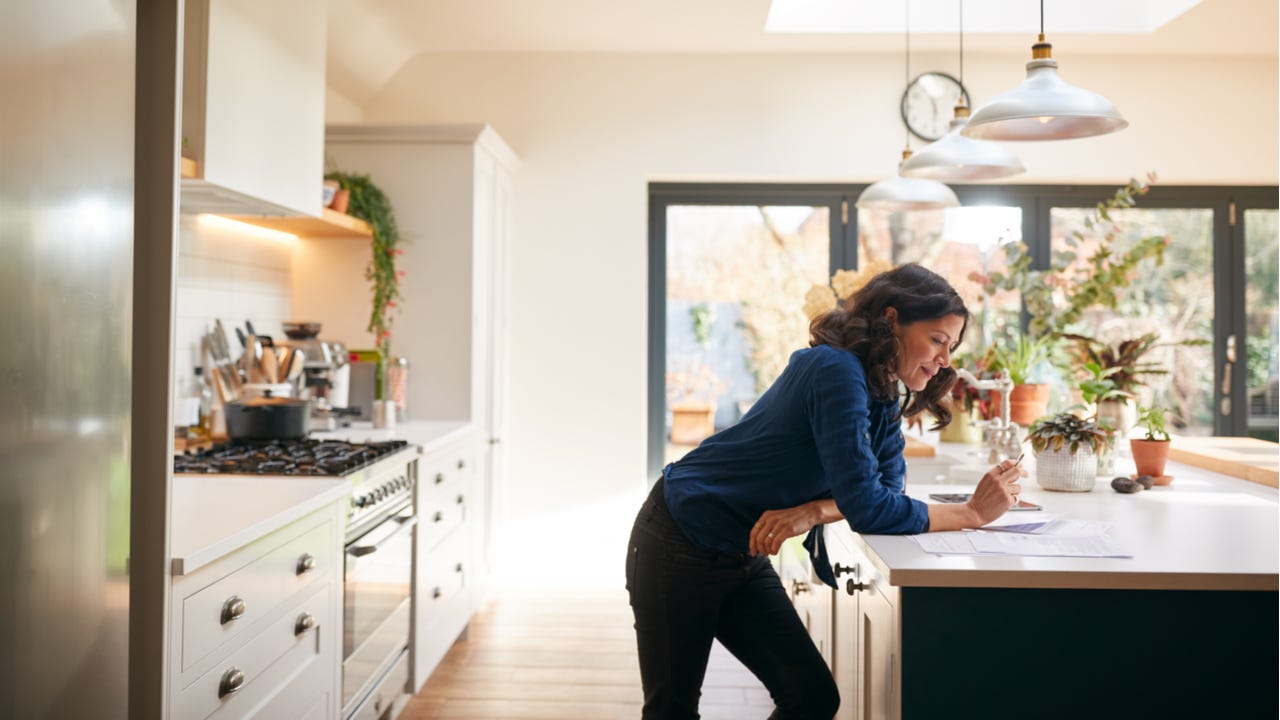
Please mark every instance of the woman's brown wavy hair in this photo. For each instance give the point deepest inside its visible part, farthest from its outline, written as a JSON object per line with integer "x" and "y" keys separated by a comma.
{"x": 862, "y": 328}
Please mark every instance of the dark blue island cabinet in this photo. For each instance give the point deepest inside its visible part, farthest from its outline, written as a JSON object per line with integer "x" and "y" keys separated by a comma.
{"x": 1186, "y": 628}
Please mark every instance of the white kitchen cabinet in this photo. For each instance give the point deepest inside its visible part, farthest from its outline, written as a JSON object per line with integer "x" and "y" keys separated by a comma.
{"x": 257, "y": 632}
{"x": 253, "y": 106}
{"x": 450, "y": 187}
{"x": 865, "y": 637}
{"x": 447, "y": 577}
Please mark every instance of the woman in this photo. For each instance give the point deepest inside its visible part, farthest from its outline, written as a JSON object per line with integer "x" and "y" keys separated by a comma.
{"x": 824, "y": 443}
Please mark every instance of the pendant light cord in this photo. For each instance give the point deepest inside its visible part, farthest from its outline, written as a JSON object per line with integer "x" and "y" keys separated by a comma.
{"x": 1041, "y": 18}
{"x": 907, "y": 66}
{"x": 962, "y": 46}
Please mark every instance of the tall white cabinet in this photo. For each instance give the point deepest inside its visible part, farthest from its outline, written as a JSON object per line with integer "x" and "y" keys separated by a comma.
{"x": 450, "y": 187}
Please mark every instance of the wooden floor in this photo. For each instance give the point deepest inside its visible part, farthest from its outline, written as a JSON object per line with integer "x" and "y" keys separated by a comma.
{"x": 570, "y": 654}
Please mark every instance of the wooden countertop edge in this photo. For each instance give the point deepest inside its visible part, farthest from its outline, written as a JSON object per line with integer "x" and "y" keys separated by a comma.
{"x": 1251, "y": 473}
{"x": 1021, "y": 578}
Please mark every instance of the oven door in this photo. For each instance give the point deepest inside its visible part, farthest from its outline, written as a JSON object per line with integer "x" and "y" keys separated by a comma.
{"x": 379, "y": 575}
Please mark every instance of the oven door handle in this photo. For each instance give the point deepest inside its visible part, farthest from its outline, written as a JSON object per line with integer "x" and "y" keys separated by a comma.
{"x": 406, "y": 524}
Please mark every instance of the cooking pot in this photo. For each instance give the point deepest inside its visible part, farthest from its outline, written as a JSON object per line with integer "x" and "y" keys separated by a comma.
{"x": 268, "y": 418}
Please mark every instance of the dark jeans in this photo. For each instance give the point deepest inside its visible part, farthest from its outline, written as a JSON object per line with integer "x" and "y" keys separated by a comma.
{"x": 684, "y": 597}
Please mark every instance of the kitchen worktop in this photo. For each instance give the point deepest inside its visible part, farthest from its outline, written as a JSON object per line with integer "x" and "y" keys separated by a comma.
{"x": 1205, "y": 531}
{"x": 215, "y": 514}
{"x": 427, "y": 434}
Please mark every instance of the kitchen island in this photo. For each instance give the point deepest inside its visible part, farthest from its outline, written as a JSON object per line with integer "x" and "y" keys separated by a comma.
{"x": 1187, "y": 627}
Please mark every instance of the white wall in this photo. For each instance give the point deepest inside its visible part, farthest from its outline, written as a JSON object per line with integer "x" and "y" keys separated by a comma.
{"x": 593, "y": 130}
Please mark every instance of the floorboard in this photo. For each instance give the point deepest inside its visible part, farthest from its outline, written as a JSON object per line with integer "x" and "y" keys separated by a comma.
{"x": 557, "y": 655}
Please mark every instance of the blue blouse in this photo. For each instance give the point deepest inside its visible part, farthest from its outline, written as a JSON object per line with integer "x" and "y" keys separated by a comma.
{"x": 816, "y": 433}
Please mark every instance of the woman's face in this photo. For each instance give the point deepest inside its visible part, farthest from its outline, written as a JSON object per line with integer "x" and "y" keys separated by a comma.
{"x": 925, "y": 347}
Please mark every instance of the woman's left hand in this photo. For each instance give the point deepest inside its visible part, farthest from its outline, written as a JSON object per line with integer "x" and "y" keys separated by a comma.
{"x": 774, "y": 526}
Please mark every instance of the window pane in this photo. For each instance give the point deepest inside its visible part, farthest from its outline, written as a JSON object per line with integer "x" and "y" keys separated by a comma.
{"x": 953, "y": 243}
{"x": 1174, "y": 300}
{"x": 736, "y": 281}
{"x": 1262, "y": 255}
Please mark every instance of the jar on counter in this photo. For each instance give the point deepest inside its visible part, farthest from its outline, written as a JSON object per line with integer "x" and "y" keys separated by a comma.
{"x": 398, "y": 385}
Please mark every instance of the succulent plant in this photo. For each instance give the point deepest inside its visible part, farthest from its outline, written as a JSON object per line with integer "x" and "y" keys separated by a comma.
{"x": 1065, "y": 430}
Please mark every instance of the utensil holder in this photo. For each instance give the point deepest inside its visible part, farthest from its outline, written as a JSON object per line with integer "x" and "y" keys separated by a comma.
{"x": 384, "y": 414}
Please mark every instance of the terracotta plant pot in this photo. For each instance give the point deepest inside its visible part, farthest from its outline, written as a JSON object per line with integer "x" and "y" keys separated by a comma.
{"x": 692, "y": 422}
{"x": 1027, "y": 403}
{"x": 340, "y": 200}
{"x": 1149, "y": 456}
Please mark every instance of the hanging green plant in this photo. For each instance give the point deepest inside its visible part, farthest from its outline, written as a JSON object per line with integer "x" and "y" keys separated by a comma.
{"x": 371, "y": 205}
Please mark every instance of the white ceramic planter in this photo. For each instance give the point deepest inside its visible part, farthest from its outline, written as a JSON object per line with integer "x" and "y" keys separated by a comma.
{"x": 1066, "y": 471}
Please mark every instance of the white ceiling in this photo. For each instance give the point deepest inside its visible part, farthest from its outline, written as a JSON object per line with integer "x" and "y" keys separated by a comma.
{"x": 369, "y": 40}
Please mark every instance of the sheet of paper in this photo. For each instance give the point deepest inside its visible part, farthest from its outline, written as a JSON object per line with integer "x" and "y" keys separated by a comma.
{"x": 1097, "y": 546}
{"x": 945, "y": 543}
{"x": 1050, "y": 525}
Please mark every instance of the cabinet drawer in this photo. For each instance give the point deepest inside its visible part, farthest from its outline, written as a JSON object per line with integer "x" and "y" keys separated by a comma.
{"x": 224, "y": 609}
{"x": 440, "y": 519}
{"x": 445, "y": 573}
{"x": 443, "y": 478}
{"x": 284, "y": 651}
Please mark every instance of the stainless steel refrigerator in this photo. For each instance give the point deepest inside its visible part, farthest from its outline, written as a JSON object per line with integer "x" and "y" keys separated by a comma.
{"x": 67, "y": 74}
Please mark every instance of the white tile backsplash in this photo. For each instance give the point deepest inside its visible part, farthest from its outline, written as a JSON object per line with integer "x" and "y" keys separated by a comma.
{"x": 223, "y": 274}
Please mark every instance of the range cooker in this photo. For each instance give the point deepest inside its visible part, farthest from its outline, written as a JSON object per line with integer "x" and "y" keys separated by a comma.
{"x": 378, "y": 572}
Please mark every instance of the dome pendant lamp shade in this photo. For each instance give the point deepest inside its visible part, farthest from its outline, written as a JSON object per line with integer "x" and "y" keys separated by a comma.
{"x": 954, "y": 157}
{"x": 1044, "y": 107}
{"x": 899, "y": 193}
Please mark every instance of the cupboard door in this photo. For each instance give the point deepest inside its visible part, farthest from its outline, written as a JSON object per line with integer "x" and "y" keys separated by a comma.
{"x": 845, "y": 617}
{"x": 877, "y": 657}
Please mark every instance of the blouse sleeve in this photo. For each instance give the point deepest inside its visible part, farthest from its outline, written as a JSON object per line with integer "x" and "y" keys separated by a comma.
{"x": 839, "y": 408}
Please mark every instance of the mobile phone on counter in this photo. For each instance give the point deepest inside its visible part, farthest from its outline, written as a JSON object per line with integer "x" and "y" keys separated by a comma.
{"x": 964, "y": 497}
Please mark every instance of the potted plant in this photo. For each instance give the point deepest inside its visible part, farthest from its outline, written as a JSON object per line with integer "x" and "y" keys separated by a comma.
{"x": 1100, "y": 392}
{"x": 1152, "y": 452}
{"x": 1024, "y": 360}
{"x": 1124, "y": 365}
{"x": 692, "y": 389}
{"x": 1066, "y": 449}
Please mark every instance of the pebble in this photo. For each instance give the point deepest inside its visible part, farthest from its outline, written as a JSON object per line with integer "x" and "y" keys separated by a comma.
{"x": 1125, "y": 485}
{"x": 1146, "y": 481}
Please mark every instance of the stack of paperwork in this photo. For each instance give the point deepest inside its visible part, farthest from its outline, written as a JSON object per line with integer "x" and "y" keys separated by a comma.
{"x": 1015, "y": 534}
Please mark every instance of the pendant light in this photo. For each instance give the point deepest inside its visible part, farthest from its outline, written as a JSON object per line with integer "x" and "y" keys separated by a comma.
{"x": 899, "y": 193}
{"x": 1044, "y": 106}
{"x": 954, "y": 157}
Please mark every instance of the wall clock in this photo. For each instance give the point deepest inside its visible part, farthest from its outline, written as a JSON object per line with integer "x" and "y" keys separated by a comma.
{"x": 929, "y": 104}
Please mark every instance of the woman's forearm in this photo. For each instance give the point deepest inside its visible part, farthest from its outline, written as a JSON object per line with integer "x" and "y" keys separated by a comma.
{"x": 826, "y": 511}
{"x": 952, "y": 517}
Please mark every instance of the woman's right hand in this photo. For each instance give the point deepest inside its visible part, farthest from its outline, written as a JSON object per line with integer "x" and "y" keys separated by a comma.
{"x": 997, "y": 491}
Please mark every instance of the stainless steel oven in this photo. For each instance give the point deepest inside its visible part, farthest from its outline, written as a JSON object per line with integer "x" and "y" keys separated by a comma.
{"x": 378, "y": 593}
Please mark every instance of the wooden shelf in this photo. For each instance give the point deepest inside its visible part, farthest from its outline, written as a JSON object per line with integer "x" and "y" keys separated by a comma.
{"x": 329, "y": 224}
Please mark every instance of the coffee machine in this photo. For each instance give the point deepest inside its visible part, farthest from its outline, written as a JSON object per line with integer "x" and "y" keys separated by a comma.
{"x": 327, "y": 372}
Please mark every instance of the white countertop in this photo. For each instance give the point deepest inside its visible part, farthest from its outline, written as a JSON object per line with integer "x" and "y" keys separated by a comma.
{"x": 427, "y": 434}
{"x": 1205, "y": 531}
{"x": 213, "y": 515}
{"x": 216, "y": 514}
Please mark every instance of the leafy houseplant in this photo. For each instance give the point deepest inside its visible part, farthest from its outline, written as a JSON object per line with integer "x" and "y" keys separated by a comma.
{"x": 1109, "y": 404}
{"x": 1066, "y": 449}
{"x": 1023, "y": 359}
{"x": 1152, "y": 452}
{"x": 370, "y": 204}
{"x": 1057, "y": 296}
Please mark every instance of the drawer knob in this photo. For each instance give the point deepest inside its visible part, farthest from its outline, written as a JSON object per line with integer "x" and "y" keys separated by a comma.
{"x": 843, "y": 569}
{"x": 439, "y": 478}
{"x": 438, "y": 517}
{"x": 458, "y": 568}
{"x": 306, "y": 621}
{"x": 799, "y": 587}
{"x": 306, "y": 564}
{"x": 233, "y": 608}
{"x": 232, "y": 680}
{"x": 462, "y": 464}
{"x": 436, "y": 593}
{"x": 461, "y": 499}
{"x": 853, "y": 586}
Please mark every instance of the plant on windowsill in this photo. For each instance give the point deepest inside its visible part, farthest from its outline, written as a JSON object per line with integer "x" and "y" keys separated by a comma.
{"x": 1152, "y": 452}
{"x": 368, "y": 202}
{"x": 1066, "y": 449}
{"x": 692, "y": 390}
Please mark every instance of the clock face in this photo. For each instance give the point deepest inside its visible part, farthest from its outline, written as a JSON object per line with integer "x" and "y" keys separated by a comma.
{"x": 929, "y": 104}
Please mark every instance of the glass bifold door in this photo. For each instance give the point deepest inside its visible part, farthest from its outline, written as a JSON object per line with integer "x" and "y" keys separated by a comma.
{"x": 730, "y": 265}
